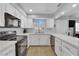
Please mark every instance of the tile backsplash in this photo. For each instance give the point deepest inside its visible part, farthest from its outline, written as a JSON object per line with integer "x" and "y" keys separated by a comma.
{"x": 48, "y": 30}
{"x": 18, "y": 30}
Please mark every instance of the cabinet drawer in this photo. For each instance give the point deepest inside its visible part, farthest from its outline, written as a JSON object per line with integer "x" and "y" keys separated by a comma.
{"x": 5, "y": 48}
{"x": 65, "y": 52}
{"x": 72, "y": 49}
{"x": 10, "y": 50}
{"x": 58, "y": 46}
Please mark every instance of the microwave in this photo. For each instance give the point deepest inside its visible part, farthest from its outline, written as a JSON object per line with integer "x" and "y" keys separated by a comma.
{"x": 11, "y": 21}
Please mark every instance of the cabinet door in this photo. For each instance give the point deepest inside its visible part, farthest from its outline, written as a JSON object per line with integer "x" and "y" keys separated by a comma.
{"x": 58, "y": 46}
{"x": 30, "y": 23}
{"x": 22, "y": 21}
{"x": 25, "y": 22}
{"x": 44, "y": 39}
{"x": 2, "y": 11}
{"x": 61, "y": 26}
{"x": 8, "y": 50}
{"x": 34, "y": 40}
{"x": 50, "y": 23}
{"x": 69, "y": 49}
{"x": 10, "y": 9}
{"x": 65, "y": 52}
{"x": 39, "y": 40}
{"x": 18, "y": 14}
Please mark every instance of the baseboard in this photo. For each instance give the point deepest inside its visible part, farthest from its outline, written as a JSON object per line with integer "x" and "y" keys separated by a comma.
{"x": 40, "y": 45}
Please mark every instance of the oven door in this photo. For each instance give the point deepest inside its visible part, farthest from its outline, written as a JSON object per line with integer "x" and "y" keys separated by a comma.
{"x": 21, "y": 48}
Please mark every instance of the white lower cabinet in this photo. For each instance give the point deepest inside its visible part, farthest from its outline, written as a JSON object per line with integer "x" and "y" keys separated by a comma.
{"x": 69, "y": 49}
{"x": 34, "y": 40}
{"x": 39, "y": 39}
{"x": 65, "y": 52}
{"x": 63, "y": 48}
{"x": 57, "y": 46}
{"x": 44, "y": 39}
{"x": 8, "y": 51}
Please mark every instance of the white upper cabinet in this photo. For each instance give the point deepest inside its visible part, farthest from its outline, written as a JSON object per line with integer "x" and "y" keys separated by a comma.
{"x": 50, "y": 23}
{"x": 10, "y": 9}
{"x": 18, "y": 13}
{"x": 2, "y": 17}
{"x": 62, "y": 26}
{"x": 29, "y": 23}
{"x": 13, "y": 11}
{"x": 23, "y": 22}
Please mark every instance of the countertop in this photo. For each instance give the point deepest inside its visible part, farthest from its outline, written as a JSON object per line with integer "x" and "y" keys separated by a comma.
{"x": 69, "y": 39}
{"x": 72, "y": 40}
{"x": 25, "y": 34}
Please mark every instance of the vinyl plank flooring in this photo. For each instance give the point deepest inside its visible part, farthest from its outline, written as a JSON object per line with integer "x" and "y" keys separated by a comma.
{"x": 40, "y": 51}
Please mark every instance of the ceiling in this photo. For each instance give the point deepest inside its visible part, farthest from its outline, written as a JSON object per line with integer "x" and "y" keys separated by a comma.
{"x": 39, "y": 8}
{"x": 54, "y": 10}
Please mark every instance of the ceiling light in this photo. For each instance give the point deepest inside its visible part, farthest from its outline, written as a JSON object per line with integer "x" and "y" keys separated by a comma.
{"x": 74, "y": 5}
{"x": 62, "y": 13}
{"x": 30, "y": 10}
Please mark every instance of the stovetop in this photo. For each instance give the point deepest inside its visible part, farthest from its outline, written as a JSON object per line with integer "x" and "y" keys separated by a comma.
{"x": 4, "y": 36}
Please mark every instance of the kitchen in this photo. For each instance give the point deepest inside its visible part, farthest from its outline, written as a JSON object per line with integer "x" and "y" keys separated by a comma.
{"x": 39, "y": 27}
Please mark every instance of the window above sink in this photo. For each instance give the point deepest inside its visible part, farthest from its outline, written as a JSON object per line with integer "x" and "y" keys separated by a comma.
{"x": 39, "y": 25}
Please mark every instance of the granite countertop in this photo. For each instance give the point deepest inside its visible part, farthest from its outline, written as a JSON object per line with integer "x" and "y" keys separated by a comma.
{"x": 25, "y": 34}
{"x": 72, "y": 40}
{"x": 69, "y": 39}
